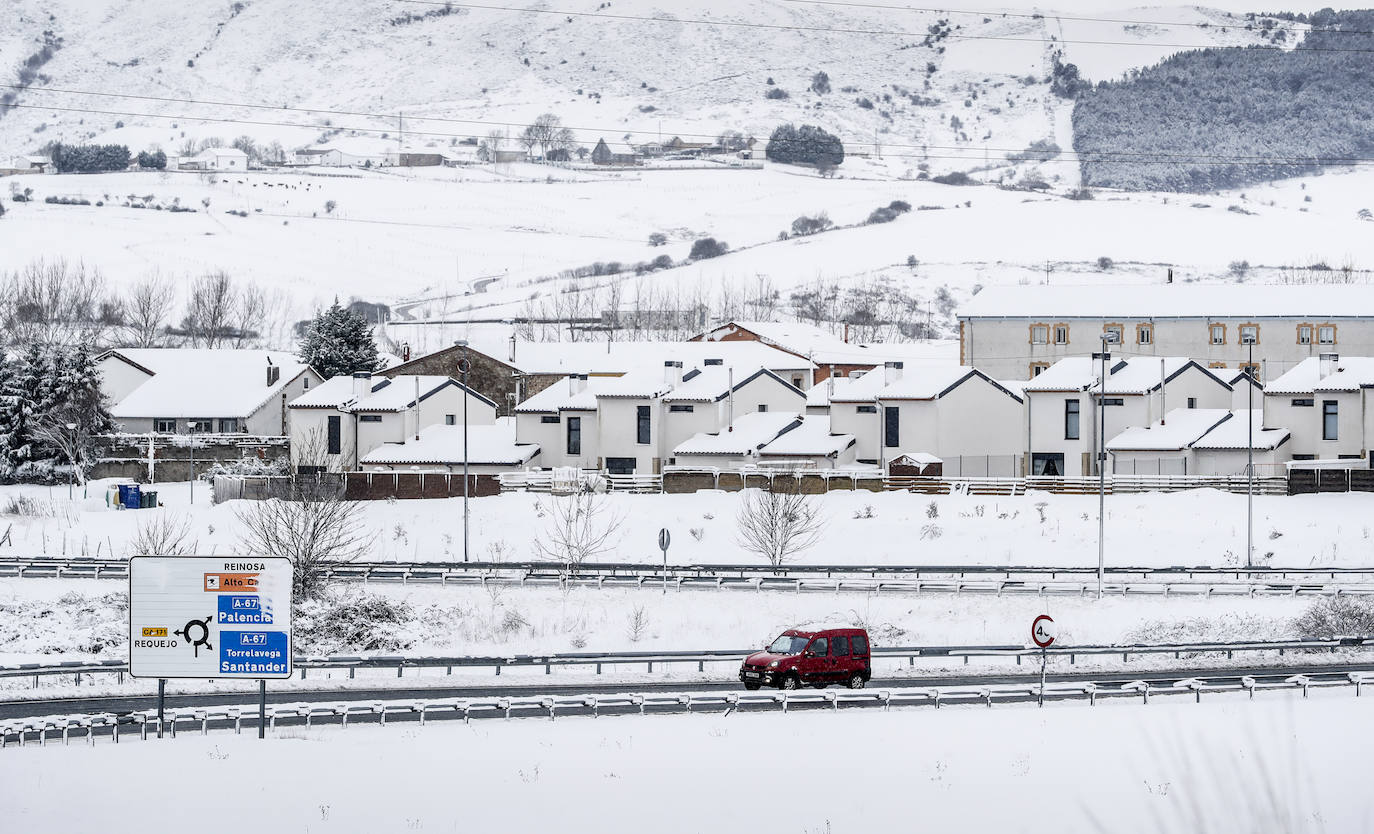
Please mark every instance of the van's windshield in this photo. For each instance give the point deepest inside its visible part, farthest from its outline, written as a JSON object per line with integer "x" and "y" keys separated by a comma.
{"x": 788, "y": 644}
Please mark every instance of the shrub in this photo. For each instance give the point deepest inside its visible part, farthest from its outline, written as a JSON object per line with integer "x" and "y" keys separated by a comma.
{"x": 156, "y": 160}
{"x": 820, "y": 83}
{"x": 864, "y": 103}
{"x": 708, "y": 247}
{"x": 657, "y": 239}
{"x": 776, "y": 93}
{"x": 1080, "y": 194}
{"x": 1105, "y": 263}
{"x": 1342, "y": 616}
{"x": 1239, "y": 267}
{"x": 661, "y": 262}
{"x": 811, "y": 225}
{"x": 806, "y": 145}
{"x": 954, "y": 178}
{"x": 85, "y": 159}
{"x": 368, "y": 623}
{"x": 883, "y": 214}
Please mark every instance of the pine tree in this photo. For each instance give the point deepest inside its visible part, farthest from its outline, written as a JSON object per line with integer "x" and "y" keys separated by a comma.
{"x": 11, "y": 419}
{"x": 26, "y": 390}
{"x": 338, "y": 341}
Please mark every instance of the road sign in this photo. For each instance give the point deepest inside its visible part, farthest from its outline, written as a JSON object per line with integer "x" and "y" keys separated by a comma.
{"x": 193, "y": 617}
{"x": 1043, "y": 631}
{"x": 464, "y": 365}
{"x": 664, "y": 538}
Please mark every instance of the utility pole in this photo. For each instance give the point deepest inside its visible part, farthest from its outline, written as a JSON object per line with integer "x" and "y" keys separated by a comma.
{"x": 1108, "y": 337}
{"x": 1250, "y": 455}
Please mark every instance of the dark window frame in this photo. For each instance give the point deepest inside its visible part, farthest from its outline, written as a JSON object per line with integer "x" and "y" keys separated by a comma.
{"x": 643, "y": 426}
{"x": 1072, "y": 408}
{"x": 553, "y": 419}
{"x": 892, "y": 427}
{"x": 1331, "y": 416}
{"x": 574, "y": 436}
{"x": 334, "y": 434}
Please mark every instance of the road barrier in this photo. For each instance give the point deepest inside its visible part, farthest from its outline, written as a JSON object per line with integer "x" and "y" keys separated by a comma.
{"x": 600, "y": 660}
{"x": 139, "y": 723}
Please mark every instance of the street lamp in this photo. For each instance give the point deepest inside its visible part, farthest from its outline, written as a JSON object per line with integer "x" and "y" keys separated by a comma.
{"x": 464, "y": 366}
{"x": 1248, "y": 339}
{"x": 1109, "y": 337}
{"x": 191, "y": 429}
{"x": 71, "y": 455}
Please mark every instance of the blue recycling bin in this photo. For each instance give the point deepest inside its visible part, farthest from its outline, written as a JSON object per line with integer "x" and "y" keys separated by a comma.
{"x": 129, "y": 496}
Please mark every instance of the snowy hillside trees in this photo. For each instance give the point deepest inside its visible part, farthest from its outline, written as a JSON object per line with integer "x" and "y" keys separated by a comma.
{"x": 805, "y": 145}
{"x": 85, "y": 159}
{"x": 338, "y": 341}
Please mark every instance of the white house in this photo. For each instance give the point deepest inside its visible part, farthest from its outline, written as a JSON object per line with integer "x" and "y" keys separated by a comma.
{"x": 811, "y": 445}
{"x": 1324, "y": 402}
{"x": 335, "y": 425}
{"x": 216, "y": 159}
{"x": 1062, "y": 422}
{"x": 208, "y": 391}
{"x": 1199, "y": 441}
{"x": 970, "y": 421}
{"x": 561, "y": 421}
{"x": 489, "y": 450}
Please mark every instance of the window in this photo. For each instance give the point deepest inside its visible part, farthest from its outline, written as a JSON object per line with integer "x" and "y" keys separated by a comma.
{"x": 866, "y": 409}
{"x": 548, "y": 418}
{"x": 369, "y": 418}
{"x": 1047, "y": 465}
{"x": 165, "y": 426}
{"x": 1113, "y": 332}
{"x": 796, "y": 382}
{"x": 1216, "y": 364}
{"x": 820, "y": 647}
{"x": 1326, "y": 334}
{"x": 1145, "y": 334}
{"x": 1304, "y": 457}
{"x": 228, "y": 425}
{"x": 1040, "y": 334}
{"x": 1110, "y": 401}
{"x": 202, "y": 426}
{"x": 642, "y": 425}
{"x": 763, "y": 407}
{"x": 574, "y": 435}
{"x": 1252, "y": 369}
{"x": 1328, "y": 419}
{"x": 334, "y": 434}
{"x": 1249, "y": 334}
{"x": 1192, "y": 402}
{"x": 1061, "y": 334}
{"x": 1070, "y": 419}
{"x": 620, "y": 466}
{"x": 890, "y": 427}
{"x": 1304, "y": 334}
{"x": 860, "y": 644}
{"x": 839, "y": 647}
{"x": 1038, "y": 368}
{"x": 1303, "y": 402}
{"x": 682, "y": 409}
{"x": 1218, "y": 334}
{"x": 305, "y": 383}
{"x": 450, "y": 419}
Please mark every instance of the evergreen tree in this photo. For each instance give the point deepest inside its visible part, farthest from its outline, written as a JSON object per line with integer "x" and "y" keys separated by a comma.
{"x": 75, "y": 411}
{"x": 27, "y": 386}
{"x": 338, "y": 341}
{"x": 11, "y": 419}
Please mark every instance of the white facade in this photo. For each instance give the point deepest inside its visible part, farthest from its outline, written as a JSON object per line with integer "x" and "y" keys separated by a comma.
{"x": 487, "y": 450}
{"x": 1014, "y": 332}
{"x": 1325, "y": 403}
{"x": 1205, "y": 442}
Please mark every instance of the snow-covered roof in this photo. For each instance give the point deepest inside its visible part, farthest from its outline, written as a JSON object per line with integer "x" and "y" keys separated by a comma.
{"x": 218, "y": 152}
{"x": 566, "y": 395}
{"x": 712, "y": 383}
{"x": 924, "y": 382}
{"x": 922, "y": 458}
{"x": 202, "y": 382}
{"x": 809, "y": 439}
{"x": 394, "y": 394}
{"x": 1350, "y": 373}
{"x": 860, "y": 389}
{"x": 623, "y": 357}
{"x": 443, "y": 445}
{"x": 820, "y": 346}
{"x": 1134, "y": 375}
{"x": 1234, "y": 433}
{"x": 1180, "y": 428}
{"x": 747, "y": 435}
{"x": 1210, "y": 301}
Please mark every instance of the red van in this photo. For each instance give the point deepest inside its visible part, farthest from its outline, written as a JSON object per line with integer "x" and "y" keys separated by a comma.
{"x": 815, "y": 658}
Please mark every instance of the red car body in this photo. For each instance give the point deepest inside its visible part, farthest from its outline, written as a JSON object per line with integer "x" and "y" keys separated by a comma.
{"x": 811, "y": 658}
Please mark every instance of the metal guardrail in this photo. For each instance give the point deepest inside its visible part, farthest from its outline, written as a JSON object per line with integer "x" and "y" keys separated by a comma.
{"x": 601, "y": 659}
{"x": 108, "y": 568}
{"x": 307, "y": 714}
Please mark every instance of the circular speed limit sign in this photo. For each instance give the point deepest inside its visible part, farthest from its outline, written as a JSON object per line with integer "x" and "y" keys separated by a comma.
{"x": 1043, "y": 631}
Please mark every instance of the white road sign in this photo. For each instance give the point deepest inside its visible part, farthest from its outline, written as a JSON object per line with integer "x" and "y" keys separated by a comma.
{"x": 194, "y": 617}
{"x": 1043, "y": 631}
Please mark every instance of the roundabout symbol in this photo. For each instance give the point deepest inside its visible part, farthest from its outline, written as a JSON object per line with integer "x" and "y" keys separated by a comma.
{"x": 203, "y": 626}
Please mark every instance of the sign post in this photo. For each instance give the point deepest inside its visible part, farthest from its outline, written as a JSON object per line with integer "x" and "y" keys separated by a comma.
{"x": 210, "y": 618}
{"x": 1043, "y": 632}
{"x": 664, "y": 539}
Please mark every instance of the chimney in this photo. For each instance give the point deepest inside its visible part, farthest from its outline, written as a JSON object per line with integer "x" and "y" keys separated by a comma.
{"x": 405, "y": 351}
{"x": 577, "y": 383}
{"x": 273, "y": 373}
{"x": 672, "y": 372}
{"x": 362, "y": 384}
{"x": 510, "y": 352}
{"x": 846, "y": 332}
{"x": 1329, "y": 361}
{"x": 1170, "y": 278}
{"x": 892, "y": 371}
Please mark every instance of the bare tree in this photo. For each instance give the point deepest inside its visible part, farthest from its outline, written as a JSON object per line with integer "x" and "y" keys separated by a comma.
{"x": 547, "y": 132}
{"x": 314, "y": 528}
{"x": 249, "y": 310}
{"x": 162, "y": 534}
{"x": 580, "y": 526}
{"x": 55, "y": 302}
{"x": 777, "y": 525}
{"x": 146, "y": 310}
{"x": 210, "y": 310}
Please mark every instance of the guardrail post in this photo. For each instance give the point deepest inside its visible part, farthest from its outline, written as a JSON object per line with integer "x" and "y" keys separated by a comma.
{"x": 651, "y": 667}
{"x": 399, "y": 669}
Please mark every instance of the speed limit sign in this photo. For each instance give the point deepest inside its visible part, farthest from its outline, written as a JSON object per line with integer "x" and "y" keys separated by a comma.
{"x": 1043, "y": 631}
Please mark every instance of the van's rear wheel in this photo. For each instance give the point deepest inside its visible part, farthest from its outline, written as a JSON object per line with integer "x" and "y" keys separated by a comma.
{"x": 790, "y": 682}
{"x": 856, "y": 681}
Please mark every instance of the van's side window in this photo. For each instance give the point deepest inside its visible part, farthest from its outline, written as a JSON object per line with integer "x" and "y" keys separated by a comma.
{"x": 820, "y": 647}
{"x": 860, "y": 644}
{"x": 840, "y": 647}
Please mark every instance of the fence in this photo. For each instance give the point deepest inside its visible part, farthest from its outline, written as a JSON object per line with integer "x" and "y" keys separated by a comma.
{"x": 650, "y": 703}
{"x": 1310, "y": 481}
{"x": 353, "y": 486}
{"x": 151, "y": 458}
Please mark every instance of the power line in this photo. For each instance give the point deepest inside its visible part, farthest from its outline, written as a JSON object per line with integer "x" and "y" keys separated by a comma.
{"x": 688, "y": 21}
{"x": 1154, "y": 157}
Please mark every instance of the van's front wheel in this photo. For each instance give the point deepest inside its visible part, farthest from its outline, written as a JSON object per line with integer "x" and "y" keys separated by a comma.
{"x": 856, "y": 681}
{"x": 790, "y": 682}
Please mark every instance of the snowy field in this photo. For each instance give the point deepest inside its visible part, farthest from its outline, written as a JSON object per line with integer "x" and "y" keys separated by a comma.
{"x": 1194, "y": 528}
{"x": 1279, "y": 763}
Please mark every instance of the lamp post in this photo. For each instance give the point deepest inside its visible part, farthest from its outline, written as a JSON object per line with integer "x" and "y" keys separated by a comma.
{"x": 1109, "y": 337}
{"x": 71, "y": 454}
{"x": 191, "y": 430}
{"x": 464, "y": 367}
{"x": 1249, "y": 340}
